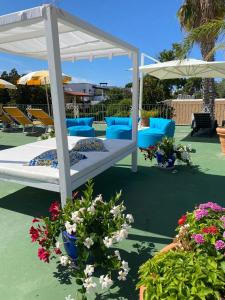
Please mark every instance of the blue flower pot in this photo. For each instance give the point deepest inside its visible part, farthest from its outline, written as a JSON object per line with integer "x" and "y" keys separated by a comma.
{"x": 70, "y": 245}
{"x": 170, "y": 162}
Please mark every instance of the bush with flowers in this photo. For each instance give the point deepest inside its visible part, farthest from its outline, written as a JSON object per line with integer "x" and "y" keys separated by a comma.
{"x": 97, "y": 226}
{"x": 195, "y": 267}
{"x": 166, "y": 153}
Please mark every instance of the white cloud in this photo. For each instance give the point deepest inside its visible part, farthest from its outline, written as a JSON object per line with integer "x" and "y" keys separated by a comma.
{"x": 81, "y": 80}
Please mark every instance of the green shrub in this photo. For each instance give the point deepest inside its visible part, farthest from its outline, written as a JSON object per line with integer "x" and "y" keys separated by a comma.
{"x": 180, "y": 275}
{"x": 150, "y": 113}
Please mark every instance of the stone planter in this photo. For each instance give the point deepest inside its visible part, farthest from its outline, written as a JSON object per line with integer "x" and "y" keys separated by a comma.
{"x": 164, "y": 250}
{"x": 221, "y": 133}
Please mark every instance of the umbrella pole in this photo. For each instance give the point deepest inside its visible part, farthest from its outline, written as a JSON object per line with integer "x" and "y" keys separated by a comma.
{"x": 46, "y": 91}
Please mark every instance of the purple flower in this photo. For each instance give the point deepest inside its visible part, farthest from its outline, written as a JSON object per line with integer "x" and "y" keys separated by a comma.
{"x": 219, "y": 245}
{"x": 224, "y": 234}
{"x": 200, "y": 213}
{"x": 199, "y": 239}
{"x": 212, "y": 205}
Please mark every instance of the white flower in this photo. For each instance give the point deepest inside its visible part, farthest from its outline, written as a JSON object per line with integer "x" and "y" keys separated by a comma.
{"x": 75, "y": 217}
{"x": 116, "y": 210}
{"x": 89, "y": 270}
{"x": 125, "y": 226}
{"x": 89, "y": 284}
{"x": 98, "y": 199}
{"x": 160, "y": 152}
{"x": 187, "y": 225}
{"x": 108, "y": 241}
{"x": 125, "y": 266}
{"x": 117, "y": 253}
{"x": 82, "y": 210}
{"x": 91, "y": 209}
{"x": 69, "y": 297}
{"x": 88, "y": 242}
{"x": 70, "y": 228}
{"x": 130, "y": 218}
{"x": 57, "y": 245}
{"x": 122, "y": 275}
{"x": 105, "y": 281}
{"x": 184, "y": 155}
{"x": 64, "y": 260}
{"x": 120, "y": 235}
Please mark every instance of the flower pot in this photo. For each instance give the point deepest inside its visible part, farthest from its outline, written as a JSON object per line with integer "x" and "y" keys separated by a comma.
{"x": 164, "y": 250}
{"x": 221, "y": 133}
{"x": 145, "y": 122}
{"x": 70, "y": 245}
{"x": 169, "y": 164}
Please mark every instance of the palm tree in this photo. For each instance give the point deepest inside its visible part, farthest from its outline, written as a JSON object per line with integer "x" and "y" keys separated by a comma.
{"x": 192, "y": 15}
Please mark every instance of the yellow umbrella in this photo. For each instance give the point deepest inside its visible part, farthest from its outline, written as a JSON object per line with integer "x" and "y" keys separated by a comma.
{"x": 6, "y": 85}
{"x": 41, "y": 78}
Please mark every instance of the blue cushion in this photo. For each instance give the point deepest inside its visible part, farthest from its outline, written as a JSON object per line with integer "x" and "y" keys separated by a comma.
{"x": 91, "y": 144}
{"x": 118, "y": 121}
{"x": 166, "y": 125}
{"x": 79, "y": 122}
{"x": 49, "y": 158}
{"x": 109, "y": 121}
{"x": 81, "y": 131}
{"x": 149, "y": 137}
{"x": 123, "y": 132}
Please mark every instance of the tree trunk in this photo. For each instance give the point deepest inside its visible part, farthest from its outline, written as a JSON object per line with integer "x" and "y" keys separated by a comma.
{"x": 208, "y": 84}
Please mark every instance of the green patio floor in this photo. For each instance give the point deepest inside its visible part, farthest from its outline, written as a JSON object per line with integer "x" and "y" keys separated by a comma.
{"x": 155, "y": 197}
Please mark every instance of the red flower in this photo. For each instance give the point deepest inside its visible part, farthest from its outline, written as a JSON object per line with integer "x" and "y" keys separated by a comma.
{"x": 35, "y": 220}
{"x": 152, "y": 147}
{"x": 182, "y": 220}
{"x": 42, "y": 241}
{"x": 211, "y": 230}
{"x": 34, "y": 234}
{"x": 43, "y": 255}
{"x": 54, "y": 210}
{"x": 57, "y": 251}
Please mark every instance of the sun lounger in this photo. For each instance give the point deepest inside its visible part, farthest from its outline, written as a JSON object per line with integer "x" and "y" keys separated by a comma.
{"x": 41, "y": 116}
{"x": 203, "y": 121}
{"x": 16, "y": 114}
{"x": 5, "y": 119}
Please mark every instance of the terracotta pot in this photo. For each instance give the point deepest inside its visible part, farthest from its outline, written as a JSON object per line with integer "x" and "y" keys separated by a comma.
{"x": 164, "y": 250}
{"x": 145, "y": 122}
{"x": 221, "y": 133}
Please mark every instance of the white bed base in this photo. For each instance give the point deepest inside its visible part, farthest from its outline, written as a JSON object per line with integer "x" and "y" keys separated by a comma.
{"x": 75, "y": 182}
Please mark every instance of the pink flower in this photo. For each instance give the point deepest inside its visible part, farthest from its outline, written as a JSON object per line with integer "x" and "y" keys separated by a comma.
{"x": 200, "y": 213}
{"x": 212, "y": 205}
{"x": 219, "y": 245}
{"x": 54, "y": 210}
{"x": 34, "y": 234}
{"x": 223, "y": 220}
{"x": 199, "y": 239}
{"x": 224, "y": 234}
{"x": 43, "y": 255}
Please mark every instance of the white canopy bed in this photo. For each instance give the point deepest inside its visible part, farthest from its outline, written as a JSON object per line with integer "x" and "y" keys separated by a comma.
{"x": 47, "y": 32}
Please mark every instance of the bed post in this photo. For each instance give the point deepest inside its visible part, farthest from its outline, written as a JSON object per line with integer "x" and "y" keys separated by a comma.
{"x": 141, "y": 85}
{"x": 54, "y": 65}
{"x": 135, "y": 88}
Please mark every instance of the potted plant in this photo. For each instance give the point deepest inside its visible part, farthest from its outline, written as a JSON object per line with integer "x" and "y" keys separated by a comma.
{"x": 90, "y": 228}
{"x": 221, "y": 133}
{"x": 166, "y": 153}
{"x": 199, "y": 246}
{"x": 146, "y": 115}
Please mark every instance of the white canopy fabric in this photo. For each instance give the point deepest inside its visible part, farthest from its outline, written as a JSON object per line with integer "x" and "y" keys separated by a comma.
{"x": 185, "y": 68}
{"x": 6, "y": 85}
{"x": 23, "y": 33}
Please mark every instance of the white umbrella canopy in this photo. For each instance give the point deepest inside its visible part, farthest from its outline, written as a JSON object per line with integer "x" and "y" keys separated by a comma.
{"x": 7, "y": 85}
{"x": 185, "y": 68}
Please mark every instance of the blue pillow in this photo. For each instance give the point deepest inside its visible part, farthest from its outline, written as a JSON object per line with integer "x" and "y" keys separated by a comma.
{"x": 79, "y": 122}
{"x": 49, "y": 158}
{"x": 90, "y": 144}
{"x": 110, "y": 121}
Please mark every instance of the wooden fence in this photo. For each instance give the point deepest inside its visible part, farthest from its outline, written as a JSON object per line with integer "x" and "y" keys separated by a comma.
{"x": 185, "y": 108}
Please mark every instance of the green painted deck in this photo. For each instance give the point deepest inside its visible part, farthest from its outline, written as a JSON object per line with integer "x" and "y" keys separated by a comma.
{"x": 155, "y": 197}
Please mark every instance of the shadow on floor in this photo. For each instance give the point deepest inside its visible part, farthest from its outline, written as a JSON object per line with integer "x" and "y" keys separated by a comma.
{"x": 201, "y": 137}
{"x": 99, "y": 133}
{"x": 4, "y": 147}
{"x": 155, "y": 197}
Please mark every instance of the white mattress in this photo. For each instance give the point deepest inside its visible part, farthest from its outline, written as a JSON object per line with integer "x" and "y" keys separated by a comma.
{"x": 12, "y": 160}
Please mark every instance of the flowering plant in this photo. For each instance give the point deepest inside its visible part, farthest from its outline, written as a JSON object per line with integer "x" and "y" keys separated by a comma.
{"x": 168, "y": 152}
{"x": 203, "y": 230}
{"x": 97, "y": 225}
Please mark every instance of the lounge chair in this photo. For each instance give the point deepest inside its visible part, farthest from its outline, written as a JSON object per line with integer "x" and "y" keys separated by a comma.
{"x": 119, "y": 128}
{"x": 80, "y": 127}
{"x": 203, "y": 121}
{"x": 6, "y": 121}
{"x": 41, "y": 116}
{"x": 16, "y": 114}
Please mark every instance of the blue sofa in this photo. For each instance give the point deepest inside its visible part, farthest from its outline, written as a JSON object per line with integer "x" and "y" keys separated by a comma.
{"x": 159, "y": 128}
{"x": 119, "y": 128}
{"x": 80, "y": 127}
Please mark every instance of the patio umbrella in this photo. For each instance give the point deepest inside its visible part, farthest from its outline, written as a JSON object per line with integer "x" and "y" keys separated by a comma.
{"x": 38, "y": 78}
{"x": 187, "y": 68}
{"x": 6, "y": 85}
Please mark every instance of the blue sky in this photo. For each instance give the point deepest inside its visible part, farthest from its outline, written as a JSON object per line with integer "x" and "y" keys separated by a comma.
{"x": 149, "y": 25}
